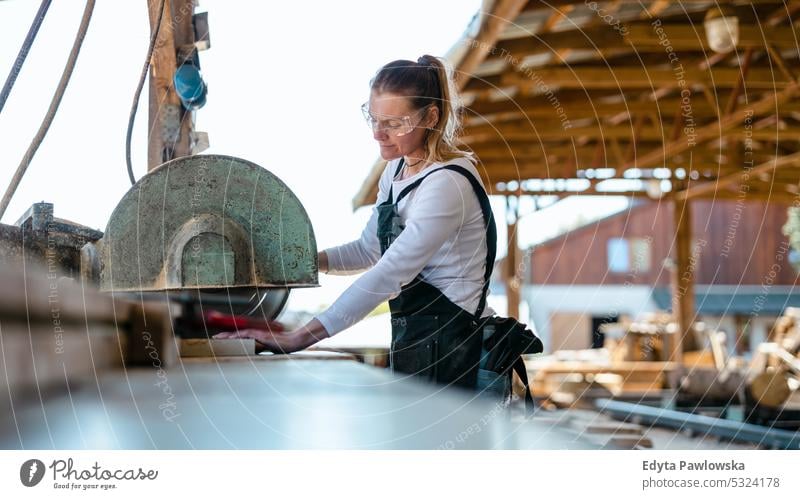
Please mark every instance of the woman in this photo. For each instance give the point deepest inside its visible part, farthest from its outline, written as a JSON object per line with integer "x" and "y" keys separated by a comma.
{"x": 425, "y": 244}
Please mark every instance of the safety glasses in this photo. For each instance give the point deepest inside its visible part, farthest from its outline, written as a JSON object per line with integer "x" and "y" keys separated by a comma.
{"x": 396, "y": 126}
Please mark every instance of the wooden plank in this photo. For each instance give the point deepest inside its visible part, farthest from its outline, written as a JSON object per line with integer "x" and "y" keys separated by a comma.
{"x": 790, "y": 161}
{"x": 710, "y": 132}
{"x": 626, "y": 78}
{"x": 503, "y": 169}
{"x": 500, "y": 134}
{"x": 517, "y": 156}
{"x": 640, "y": 377}
{"x": 37, "y": 358}
{"x": 503, "y": 12}
{"x": 304, "y": 355}
{"x": 640, "y": 36}
{"x": 193, "y": 347}
{"x": 44, "y": 294}
{"x": 152, "y": 340}
{"x": 605, "y": 427}
{"x": 547, "y": 6}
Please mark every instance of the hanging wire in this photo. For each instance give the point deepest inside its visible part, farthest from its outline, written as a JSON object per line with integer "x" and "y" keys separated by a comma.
{"x": 23, "y": 53}
{"x": 51, "y": 112}
{"x": 138, "y": 93}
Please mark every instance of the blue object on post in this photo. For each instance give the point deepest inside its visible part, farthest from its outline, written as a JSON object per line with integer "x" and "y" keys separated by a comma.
{"x": 190, "y": 87}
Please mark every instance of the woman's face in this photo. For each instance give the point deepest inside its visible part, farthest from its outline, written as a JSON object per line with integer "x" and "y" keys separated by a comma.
{"x": 390, "y": 110}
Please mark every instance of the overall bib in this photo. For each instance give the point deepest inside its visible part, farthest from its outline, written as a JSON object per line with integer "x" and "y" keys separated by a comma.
{"x": 432, "y": 337}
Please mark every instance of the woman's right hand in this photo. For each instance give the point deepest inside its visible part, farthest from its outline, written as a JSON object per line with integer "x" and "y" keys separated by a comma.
{"x": 274, "y": 341}
{"x": 322, "y": 258}
{"x": 277, "y": 340}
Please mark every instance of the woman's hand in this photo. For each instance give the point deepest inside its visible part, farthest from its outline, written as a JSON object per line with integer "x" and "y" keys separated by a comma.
{"x": 273, "y": 341}
{"x": 322, "y": 259}
{"x": 281, "y": 341}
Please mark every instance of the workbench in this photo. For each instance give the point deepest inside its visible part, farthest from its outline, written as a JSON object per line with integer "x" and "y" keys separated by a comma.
{"x": 270, "y": 402}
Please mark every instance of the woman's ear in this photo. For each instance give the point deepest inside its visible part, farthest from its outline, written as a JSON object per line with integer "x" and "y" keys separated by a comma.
{"x": 433, "y": 117}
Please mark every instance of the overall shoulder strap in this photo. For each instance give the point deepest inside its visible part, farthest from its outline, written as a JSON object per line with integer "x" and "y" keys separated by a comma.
{"x": 396, "y": 171}
{"x": 488, "y": 220}
{"x": 399, "y": 166}
{"x": 491, "y": 232}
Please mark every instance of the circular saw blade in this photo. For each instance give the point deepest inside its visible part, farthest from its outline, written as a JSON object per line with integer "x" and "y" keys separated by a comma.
{"x": 264, "y": 303}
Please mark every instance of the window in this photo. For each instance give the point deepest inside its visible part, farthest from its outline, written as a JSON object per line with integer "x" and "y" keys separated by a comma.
{"x": 794, "y": 258}
{"x": 640, "y": 254}
{"x": 618, "y": 255}
{"x": 629, "y": 255}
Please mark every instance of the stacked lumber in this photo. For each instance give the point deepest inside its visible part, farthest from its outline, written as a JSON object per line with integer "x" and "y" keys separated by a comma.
{"x": 56, "y": 333}
{"x": 774, "y": 376}
{"x": 577, "y": 378}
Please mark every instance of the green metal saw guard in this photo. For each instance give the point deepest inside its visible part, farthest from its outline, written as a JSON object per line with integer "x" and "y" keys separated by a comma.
{"x": 208, "y": 222}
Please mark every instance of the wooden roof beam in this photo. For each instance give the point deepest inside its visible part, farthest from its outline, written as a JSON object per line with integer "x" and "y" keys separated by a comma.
{"x": 539, "y": 107}
{"x": 722, "y": 127}
{"x": 517, "y": 168}
{"x": 744, "y": 177}
{"x": 641, "y": 37}
{"x": 628, "y": 77}
{"x": 503, "y": 12}
{"x": 537, "y": 5}
{"x": 700, "y": 161}
{"x": 552, "y": 130}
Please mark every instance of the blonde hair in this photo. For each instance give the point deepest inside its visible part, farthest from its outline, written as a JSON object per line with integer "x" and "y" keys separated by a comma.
{"x": 427, "y": 82}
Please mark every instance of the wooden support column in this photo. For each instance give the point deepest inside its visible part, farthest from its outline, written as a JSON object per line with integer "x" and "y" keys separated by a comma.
{"x": 184, "y": 46}
{"x": 168, "y": 130}
{"x": 742, "y": 344}
{"x": 683, "y": 280}
{"x": 510, "y": 273}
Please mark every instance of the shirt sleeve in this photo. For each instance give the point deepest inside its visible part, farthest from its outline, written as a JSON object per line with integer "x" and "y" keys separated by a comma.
{"x": 364, "y": 252}
{"x": 357, "y": 255}
{"x": 435, "y": 213}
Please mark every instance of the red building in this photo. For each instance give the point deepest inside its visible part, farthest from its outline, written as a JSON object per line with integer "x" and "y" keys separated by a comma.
{"x": 620, "y": 265}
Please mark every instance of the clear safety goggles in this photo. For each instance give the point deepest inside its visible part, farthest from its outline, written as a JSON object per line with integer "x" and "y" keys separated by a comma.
{"x": 396, "y": 126}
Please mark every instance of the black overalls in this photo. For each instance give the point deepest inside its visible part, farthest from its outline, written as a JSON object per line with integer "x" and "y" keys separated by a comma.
{"x": 432, "y": 337}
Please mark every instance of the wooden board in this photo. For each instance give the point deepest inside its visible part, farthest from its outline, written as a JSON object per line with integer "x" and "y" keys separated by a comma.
{"x": 272, "y": 357}
{"x": 636, "y": 376}
{"x": 238, "y": 347}
{"x": 39, "y": 295}
{"x": 570, "y": 331}
{"x": 39, "y": 358}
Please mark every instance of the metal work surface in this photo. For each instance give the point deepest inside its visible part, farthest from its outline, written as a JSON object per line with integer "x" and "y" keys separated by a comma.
{"x": 271, "y": 403}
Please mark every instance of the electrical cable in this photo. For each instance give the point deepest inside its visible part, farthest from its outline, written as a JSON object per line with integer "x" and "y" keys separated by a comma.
{"x": 23, "y": 52}
{"x": 138, "y": 93}
{"x": 51, "y": 112}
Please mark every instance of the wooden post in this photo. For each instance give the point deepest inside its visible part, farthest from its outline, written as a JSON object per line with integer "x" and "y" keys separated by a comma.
{"x": 184, "y": 47}
{"x": 742, "y": 344}
{"x": 168, "y": 129}
{"x": 512, "y": 258}
{"x": 683, "y": 280}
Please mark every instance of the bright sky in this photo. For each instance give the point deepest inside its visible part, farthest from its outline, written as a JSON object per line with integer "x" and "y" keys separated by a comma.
{"x": 286, "y": 80}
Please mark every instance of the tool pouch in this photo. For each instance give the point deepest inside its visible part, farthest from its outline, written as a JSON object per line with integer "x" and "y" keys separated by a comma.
{"x": 505, "y": 340}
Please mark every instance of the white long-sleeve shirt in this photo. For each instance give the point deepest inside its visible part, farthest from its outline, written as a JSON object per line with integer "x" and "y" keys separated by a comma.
{"x": 444, "y": 241}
